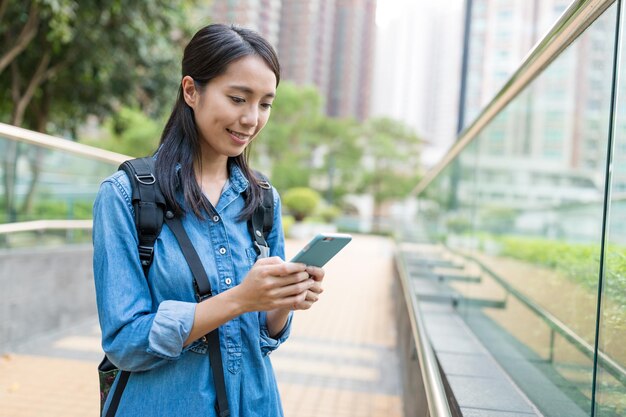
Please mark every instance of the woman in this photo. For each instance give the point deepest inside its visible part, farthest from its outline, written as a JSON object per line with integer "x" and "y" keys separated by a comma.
{"x": 153, "y": 327}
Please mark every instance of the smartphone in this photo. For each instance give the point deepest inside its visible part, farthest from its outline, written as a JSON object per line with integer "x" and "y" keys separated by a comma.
{"x": 322, "y": 248}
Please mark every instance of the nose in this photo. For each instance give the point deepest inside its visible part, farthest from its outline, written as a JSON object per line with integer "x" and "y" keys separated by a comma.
{"x": 250, "y": 116}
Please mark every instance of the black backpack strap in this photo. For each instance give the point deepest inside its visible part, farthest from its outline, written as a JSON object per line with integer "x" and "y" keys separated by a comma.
{"x": 119, "y": 390}
{"x": 262, "y": 221}
{"x": 203, "y": 288}
{"x": 149, "y": 204}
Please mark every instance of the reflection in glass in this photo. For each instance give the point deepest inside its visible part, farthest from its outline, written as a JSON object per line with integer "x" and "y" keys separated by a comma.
{"x": 611, "y": 377}
{"x": 40, "y": 183}
{"x": 532, "y": 187}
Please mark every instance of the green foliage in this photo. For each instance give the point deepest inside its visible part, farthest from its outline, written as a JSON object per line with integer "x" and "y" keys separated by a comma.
{"x": 301, "y": 202}
{"x": 578, "y": 262}
{"x": 498, "y": 220}
{"x": 304, "y": 144}
{"x": 458, "y": 224}
{"x": 61, "y": 209}
{"x": 87, "y": 57}
{"x": 286, "y": 175}
{"x": 328, "y": 214}
{"x": 130, "y": 132}
{"x": 394, "y": 151}
{"x": 287, "y": 221}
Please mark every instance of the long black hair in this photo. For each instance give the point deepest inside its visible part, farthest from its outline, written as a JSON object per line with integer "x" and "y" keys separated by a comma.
{"x": 206, "y": 56}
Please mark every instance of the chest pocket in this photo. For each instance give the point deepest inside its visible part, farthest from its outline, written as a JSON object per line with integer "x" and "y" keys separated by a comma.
{"x": 251, "y": 256}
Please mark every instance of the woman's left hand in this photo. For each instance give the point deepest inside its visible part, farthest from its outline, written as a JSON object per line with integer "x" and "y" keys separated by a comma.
{"x": 313, "y": 293}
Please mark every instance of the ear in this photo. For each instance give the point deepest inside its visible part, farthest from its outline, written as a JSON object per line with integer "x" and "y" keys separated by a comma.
{"x": 190, "y": 94}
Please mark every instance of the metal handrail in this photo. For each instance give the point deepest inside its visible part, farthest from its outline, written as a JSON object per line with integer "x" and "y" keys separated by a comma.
{"x": 433, "y": 386}
{"x": 608, "y": 364}
{"x": 30, "y": 137}
{"x": 51, "y": 142}
{"x": 38, "y": 225}
{"x": 578, "y": 17}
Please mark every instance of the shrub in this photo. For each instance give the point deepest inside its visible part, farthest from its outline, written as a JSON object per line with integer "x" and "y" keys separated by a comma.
{"x": 287, "y": 221}
{"x": 301, "y": 202}
{"x": 329, "y": 213}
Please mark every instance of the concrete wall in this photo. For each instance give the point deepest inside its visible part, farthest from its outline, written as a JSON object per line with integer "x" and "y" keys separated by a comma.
{"x": 43, "y": 290}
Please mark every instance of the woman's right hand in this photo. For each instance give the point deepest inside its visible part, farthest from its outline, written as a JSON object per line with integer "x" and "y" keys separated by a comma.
{"x": 273, "y": 284}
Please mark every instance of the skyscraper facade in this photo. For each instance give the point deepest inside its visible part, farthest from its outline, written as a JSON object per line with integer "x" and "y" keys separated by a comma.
{"x": 306, "y": 40}
{"x": 553, "y": 124}
{"x": 326, "y": 43}
{"x": 260, "y": 15}
{"x": 352, "y": 59}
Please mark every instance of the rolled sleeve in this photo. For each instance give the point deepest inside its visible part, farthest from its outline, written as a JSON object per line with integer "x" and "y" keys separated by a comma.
{"x": 171, "y": 327}
{"x": 268, "y": 343}
{"x": 134, "y": 336}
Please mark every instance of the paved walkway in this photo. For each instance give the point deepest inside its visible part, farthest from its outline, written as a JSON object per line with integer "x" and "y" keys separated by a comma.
{"x": 340, "y": 360}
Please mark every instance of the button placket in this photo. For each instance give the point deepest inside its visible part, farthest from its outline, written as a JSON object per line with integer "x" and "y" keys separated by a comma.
{"x": 226, "y": 272}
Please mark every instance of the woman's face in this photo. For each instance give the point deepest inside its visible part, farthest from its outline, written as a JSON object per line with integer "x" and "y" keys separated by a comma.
{"x": 233, "y": 107}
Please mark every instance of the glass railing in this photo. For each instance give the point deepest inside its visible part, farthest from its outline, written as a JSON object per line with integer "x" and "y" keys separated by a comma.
{"x": 48, "y": 187}
{"x": 535, "y": 197}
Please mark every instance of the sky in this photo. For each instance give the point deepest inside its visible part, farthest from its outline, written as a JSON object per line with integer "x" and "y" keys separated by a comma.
{"x": 387, "y": 10}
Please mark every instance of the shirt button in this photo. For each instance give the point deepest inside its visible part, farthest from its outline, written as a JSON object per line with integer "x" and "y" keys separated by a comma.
{"x": 203, "y": 339}
{"x": 228, "y": 281}
{"x": 216, "y": 218}
{"x": 222, "y": 250}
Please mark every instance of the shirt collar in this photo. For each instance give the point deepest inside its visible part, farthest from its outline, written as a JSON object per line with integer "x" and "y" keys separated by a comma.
{"x": 237, "y": 178}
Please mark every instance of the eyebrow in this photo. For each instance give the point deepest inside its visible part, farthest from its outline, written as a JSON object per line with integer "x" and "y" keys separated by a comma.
{"x": 248, "y": 90}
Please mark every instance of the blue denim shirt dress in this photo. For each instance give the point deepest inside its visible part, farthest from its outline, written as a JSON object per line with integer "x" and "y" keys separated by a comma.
{"x": 145, "y": 322}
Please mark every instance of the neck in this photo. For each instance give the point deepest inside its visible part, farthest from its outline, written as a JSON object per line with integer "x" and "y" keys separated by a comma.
{"x": 211, "y": 167}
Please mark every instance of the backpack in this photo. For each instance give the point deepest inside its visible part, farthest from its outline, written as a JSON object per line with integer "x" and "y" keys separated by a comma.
{"x": 150, "y": 214}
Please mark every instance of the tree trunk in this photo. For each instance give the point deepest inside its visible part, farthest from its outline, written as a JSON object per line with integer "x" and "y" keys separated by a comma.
{"x": 37, "y": 154}
{"x": 21, "y": 100}
{"x": 23, "y": 39}
{"x": 10, "y": 175}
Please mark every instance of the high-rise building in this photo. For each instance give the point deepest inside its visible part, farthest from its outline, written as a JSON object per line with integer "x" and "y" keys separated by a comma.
{"x": 260, "y": 15}
{"x": 305, "y": 44}
{"x": 417, "y": 71}
{"x": 560, "y": 144}
{"x": 325, "y": 43}
{"x": 352, "y": 59}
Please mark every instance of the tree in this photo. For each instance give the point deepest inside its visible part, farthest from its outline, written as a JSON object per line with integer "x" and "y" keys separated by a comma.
{"x": 301, "y": 202}
{"x": 341, "y": 155}
{"x": 63, "y": 60}
{"x": 306, "y": 148}
{"x": 287, "y": 140}
{"x": 392, "y": 150}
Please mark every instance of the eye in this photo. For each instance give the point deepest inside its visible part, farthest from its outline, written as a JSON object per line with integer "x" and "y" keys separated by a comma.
{"x": 237, "y": 100}
{"x": 266, "y": 106}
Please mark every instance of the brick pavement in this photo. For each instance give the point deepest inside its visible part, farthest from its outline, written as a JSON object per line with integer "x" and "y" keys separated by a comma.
{"x": 339, "y": 362}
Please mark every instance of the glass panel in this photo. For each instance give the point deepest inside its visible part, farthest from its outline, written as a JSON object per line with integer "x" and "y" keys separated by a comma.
{"x": 611, "y": 377}
{"x": 535, "y": 209}
{"x": 40, "y": 183}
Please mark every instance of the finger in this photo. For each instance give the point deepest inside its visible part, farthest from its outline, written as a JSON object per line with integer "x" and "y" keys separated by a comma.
{"x": 316, "y": 273}
{"x": 285, "y": 268}
{"x": 291, "y": 279}
{"x": 294, "y": 302}
{"x": 293, "y": 289}
{"x": 316, "y": 288}
{"x": 274, "y": 260}
{"x": 311, "y": 296}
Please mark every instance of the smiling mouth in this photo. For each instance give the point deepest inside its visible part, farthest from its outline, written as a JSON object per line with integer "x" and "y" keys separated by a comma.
{"x": 238, "y": 137}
